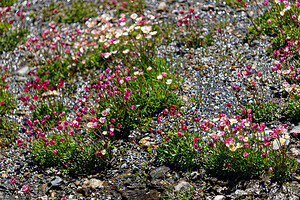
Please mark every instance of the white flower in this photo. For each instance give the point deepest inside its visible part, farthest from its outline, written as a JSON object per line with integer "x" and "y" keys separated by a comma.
{"x": 123, "y": 23}
{"x": 282, "y": 140}
{"x": 121, "y": 81}
{"x": 159, "y": 77}
{"x": 109, "y": 36}
{"x": 116, "y": 41}
{"x": 90, "y": 124}
{"x": 111, "y": 129}
{"x": 107, "y": 55}
{"x": 169, "y": 81}
{"x": 136, "y": 73}
{"x": 133, "y": 16}
{"x": 151, "y": 17}
{"x": 146, "y": 29}
{"x": 103, "y": 152}
{"x": 102, "y": 39}
{"x": 139, "y": 19}
{"x": 246, "y": 139}
{"x": 153, "y": 33}
{"x": 215, "y": 119}
{"x": 102, "y": 120}
{"x": 232, "y": 121}
{"x": 137, "y": 27}
{"x": 118, "y": 33}
{"x": 126, "y": 51}
{"x": 139, "y": 36}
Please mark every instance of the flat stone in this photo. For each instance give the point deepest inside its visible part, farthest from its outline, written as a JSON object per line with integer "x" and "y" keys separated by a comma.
{"x": 159, "y": 172}
{"x": 181, "y": 185}
{"x": 23, "y": 71}
{"x": 220, "y": 197}
{"x": 93, "y": 183}
{"x": 162, "y": 6}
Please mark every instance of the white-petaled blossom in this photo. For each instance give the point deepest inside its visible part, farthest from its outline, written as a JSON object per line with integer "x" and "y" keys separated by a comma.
{"x": 151, "y": 17}
{"x": 169, "y": 81}
{"x": 119, "y": 33}
{"x": 122, "y": 23}
{"x": 109, "y": 35}
{"x": 90, "y": 124}
{"x": 159, "y": 77}
{"x": 126, "y": 51}
{"x": 102, "y": 39}
{"x": 232, "y": 121}
{"x": 102, "y": 120}
{"x": 107, "y": 55}
{"x": 139, "y": 36}
{"x": 137, "y": 27}
{"x": 133, "y": 16}
{"x": 103, "y": 152}
{"x": 146, "y": 29}
{"x": 116, "y": 41}
{"x": 153, "y": 33}
{"x": 139, "y": 19}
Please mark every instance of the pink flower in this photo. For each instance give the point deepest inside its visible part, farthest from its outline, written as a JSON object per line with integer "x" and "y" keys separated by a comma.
{"x": 247, "y": 145}
{"x": 12, "y": 181}
{"x": 180, "y": 134}
{"x": 44, "y": 198}
{"x": 20, "y": 142}
{"x": 269, "y": 21}
{"x": 241, "y": 137}
{"x": 54, "y": 151}
{"x": 25, "y": 188}
{"x": 245, "y": 154}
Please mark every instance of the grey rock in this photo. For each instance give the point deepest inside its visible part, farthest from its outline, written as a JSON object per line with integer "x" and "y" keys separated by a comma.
{"x": 220, "y": 197}
{"x": 195, "y": 175}
{"x": 56, "y": 181}
{"x": 181, "y": 185}
{"x": 23, "y": 71}
{"x": 159, "y": 172}
{"x": 296, "y": 129}
{"x": 162, "y": 6}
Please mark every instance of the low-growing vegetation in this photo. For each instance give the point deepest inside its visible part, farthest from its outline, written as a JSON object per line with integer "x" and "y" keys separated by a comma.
{"x": 78, "y": 11}
{"x": 91, "y": 88}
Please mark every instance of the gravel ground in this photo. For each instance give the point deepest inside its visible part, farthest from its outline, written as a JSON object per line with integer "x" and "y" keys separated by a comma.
{"x": 132, "y": 174}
